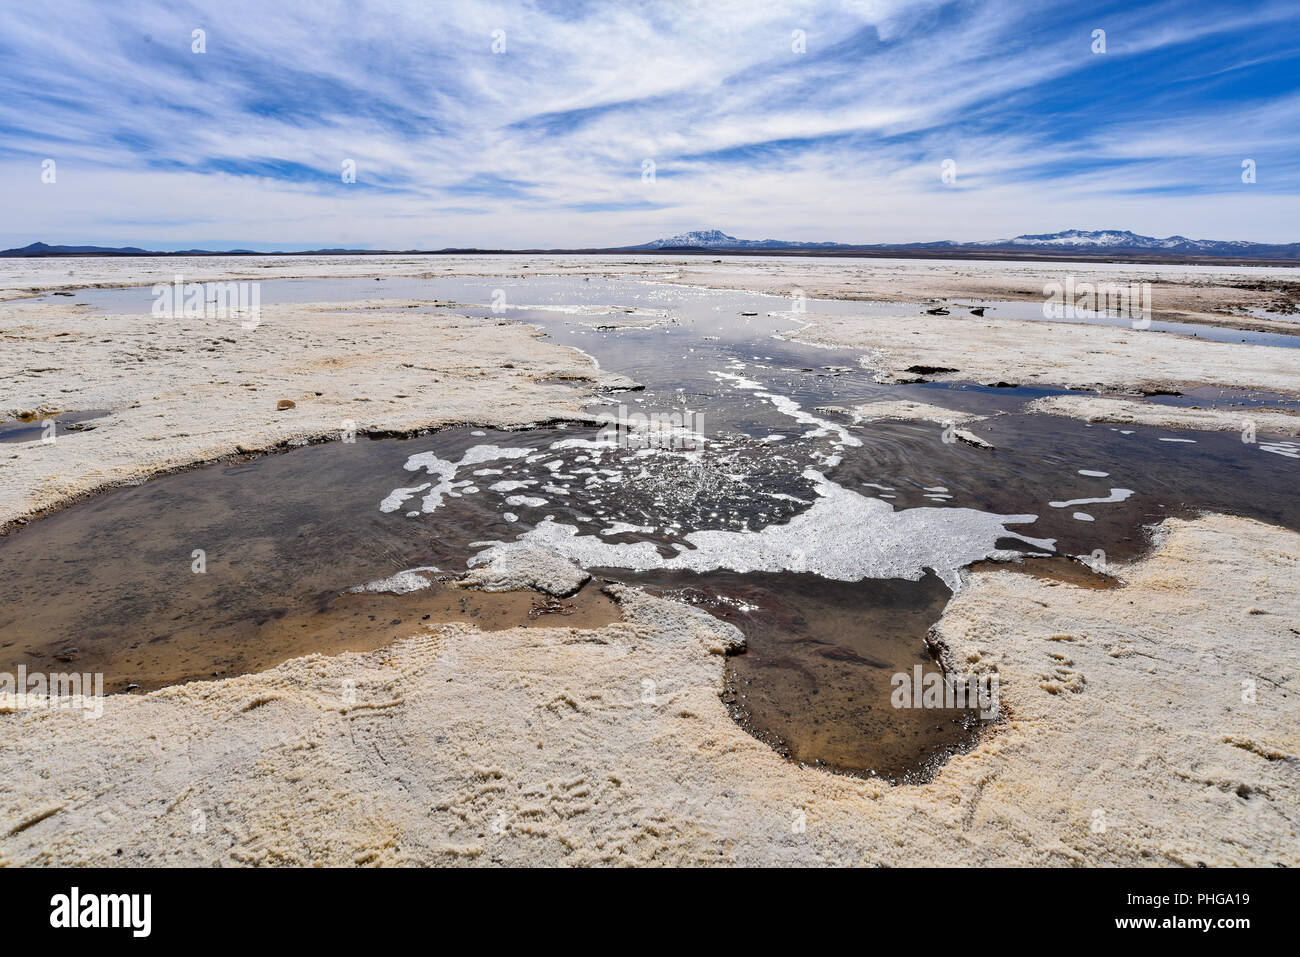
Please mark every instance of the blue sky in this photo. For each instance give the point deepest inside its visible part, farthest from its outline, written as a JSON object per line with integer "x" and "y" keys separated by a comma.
{"x": 544, "y": 143}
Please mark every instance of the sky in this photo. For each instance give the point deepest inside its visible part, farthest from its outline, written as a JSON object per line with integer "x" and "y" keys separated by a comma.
{"x": 533, "y": 124}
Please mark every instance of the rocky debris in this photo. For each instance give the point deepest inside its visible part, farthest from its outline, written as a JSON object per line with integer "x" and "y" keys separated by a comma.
{"x": 970, "y": 438}
{"x": 929, "y": 370}
{"x": 536, "y": 568}
{"x": 284, "y": 404}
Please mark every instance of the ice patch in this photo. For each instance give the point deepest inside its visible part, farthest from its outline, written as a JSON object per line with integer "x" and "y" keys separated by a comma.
{"x": 445, "y": 470}
{"x": 403, "y": 583}
{"x": 1116, "y": 495}
{"x": 844, "y": 536}
{"x": 510, "y": 486}
{"x": 1283, "y": 447}
{"x": 740, "y": 382}
{"x": 788, "y": 406}
{"x": 585, "y": 444}
{"x": 398, "y": 496}
{"x": 619, "y": 528}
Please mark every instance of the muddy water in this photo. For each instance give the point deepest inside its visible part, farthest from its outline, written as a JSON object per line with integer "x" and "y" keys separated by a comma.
{"x": 234, "y": 568}
{"x": 833, "y": 545}
{"x": 817, "y": 681}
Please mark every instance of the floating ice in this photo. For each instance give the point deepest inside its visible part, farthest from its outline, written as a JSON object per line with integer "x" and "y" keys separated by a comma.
{"x": 529, "y": 501}
{"x": 403, "y": 583}
{"x": 740, "y": 382}
{"x": 844, "y": 536}
{"x": 1116, "y": 495}
{"x": 398, "y": 496}
{"x": 510, "y": 486}
{"x": 445, "y": 470}
{"x": 1282, "y": 447}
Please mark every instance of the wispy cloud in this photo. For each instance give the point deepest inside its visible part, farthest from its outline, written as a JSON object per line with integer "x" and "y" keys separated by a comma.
{"x": 834, "y": 133}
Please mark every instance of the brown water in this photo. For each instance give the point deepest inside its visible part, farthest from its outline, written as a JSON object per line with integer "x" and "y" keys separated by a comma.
{"x": 817, "y": 678}
{"x": 110, "y": 585}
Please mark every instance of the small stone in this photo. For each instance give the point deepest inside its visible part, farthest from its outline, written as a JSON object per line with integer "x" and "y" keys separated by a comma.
{"x": 285, "y": 404}
{"x": 970, "y": 438}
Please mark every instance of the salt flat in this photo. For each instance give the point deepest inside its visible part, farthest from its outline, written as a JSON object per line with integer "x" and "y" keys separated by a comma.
{"x": 1128, "y": 738}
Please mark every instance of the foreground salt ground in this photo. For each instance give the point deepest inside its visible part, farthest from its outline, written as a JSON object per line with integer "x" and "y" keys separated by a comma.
{"x": 1130, "y": 739}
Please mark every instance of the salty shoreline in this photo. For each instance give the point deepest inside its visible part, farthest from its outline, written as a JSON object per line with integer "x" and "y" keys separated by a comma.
{"x": 349, "y": 369}
{"x": 536, "y": 745}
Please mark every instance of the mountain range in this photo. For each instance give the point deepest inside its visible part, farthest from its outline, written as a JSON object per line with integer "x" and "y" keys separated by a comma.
{"x": 1105, "y": 241}
{"x": 1067, "y": 244}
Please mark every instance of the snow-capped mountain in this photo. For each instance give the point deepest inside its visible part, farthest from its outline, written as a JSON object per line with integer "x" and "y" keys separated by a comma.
{"x": 717, "y": 239}
{"x": 1081, "y": 241}
{"x": 1120, "y": 239}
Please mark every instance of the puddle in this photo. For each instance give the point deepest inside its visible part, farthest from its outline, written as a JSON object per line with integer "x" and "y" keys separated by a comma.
{"x": 35, "y": 428}
{"x": 832, "y": 545}
{"x": 1057, "y": 569}
{"x": 110, "y": 584}
{"x": 816, "y": 682}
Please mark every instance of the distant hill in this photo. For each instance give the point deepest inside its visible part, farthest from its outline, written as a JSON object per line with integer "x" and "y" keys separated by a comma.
{"x": 1069, "y": 244}
{"x": 43, "y": 249}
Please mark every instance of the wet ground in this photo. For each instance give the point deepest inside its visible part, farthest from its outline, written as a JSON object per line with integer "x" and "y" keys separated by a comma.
{"x": 833, "y": 545}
